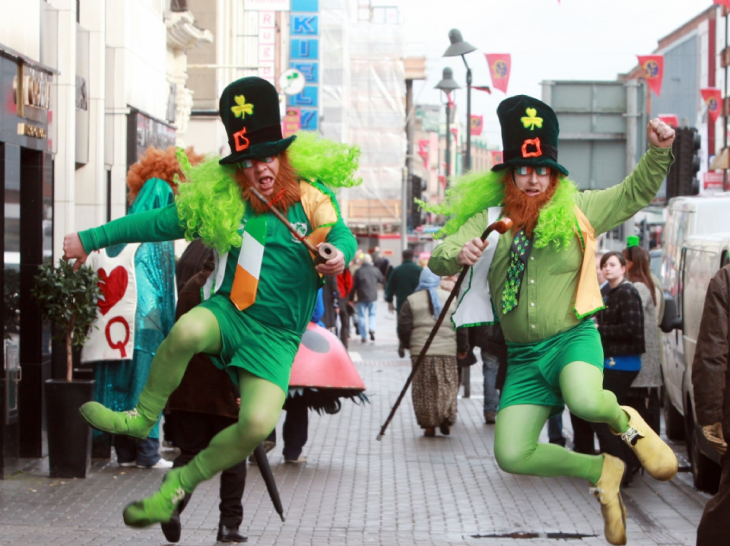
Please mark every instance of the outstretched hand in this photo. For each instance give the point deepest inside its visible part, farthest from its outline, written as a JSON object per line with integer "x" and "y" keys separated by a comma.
{"x": 73, "y": 249}
{"x": 660, "y": 134}
{"x": 333, "y": 266}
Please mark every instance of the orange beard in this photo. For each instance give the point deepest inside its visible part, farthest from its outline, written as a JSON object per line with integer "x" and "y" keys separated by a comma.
{"x": 524, "y": 211}
{"x": 286, "y": 182}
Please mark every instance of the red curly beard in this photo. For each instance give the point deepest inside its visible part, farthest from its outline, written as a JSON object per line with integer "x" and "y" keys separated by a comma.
{"x": 286, "y": 182}
{"x": 524, "y": 211}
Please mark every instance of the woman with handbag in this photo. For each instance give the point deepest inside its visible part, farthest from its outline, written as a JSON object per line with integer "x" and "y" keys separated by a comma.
{"x": 436, "y": 383}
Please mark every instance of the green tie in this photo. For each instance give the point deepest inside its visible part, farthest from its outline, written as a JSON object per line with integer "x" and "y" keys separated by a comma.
{"x": 518, "y": 255}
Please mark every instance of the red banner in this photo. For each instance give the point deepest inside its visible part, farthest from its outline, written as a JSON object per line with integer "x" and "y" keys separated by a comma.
{"x": 653, "y": 68}
{"x": 476, "y": 125}
{"x": 496, "y": 158}
{"x": 423, "y": 152}
{"x": 725, "y": 3}
{"x": 669, "y": 119}
{"x": 500, "y": 67}
{"x": 455, "y": 132}
{"x": 713, "y": 100}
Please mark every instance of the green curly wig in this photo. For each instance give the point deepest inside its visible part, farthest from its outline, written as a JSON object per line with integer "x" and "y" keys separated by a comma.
{"x": 209, "y": 203}
{"x": 476, "y": 191}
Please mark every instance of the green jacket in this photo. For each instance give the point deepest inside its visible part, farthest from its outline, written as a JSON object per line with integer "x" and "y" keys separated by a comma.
{"x": 547, "y": 294}
{"x": 402, "y": 283}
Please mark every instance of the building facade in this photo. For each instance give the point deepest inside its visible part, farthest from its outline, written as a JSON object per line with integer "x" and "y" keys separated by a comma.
{"x": 87, "y": 86}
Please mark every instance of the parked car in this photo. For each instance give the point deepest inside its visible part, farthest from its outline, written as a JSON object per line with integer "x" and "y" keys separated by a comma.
{"x": 694, "y": 248}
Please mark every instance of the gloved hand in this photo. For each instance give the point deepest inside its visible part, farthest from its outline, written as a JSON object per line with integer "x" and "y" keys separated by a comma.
{"x": 391, "y": 307}
{"x": 713, "y": 433}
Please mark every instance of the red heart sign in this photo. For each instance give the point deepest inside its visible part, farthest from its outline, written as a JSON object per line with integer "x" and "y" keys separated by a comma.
{"x": 112, "y": 287}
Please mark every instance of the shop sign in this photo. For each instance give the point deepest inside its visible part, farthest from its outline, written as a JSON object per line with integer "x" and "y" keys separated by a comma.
{"x": 292, "y": 121}
{"x": 34, "y": 131}
{"x": 33, "y": 89}
{"x": 713, "y": 180}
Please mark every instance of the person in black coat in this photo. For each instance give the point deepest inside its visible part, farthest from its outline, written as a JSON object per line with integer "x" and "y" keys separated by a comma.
{"x": 365, "y": 288}
{"x": 621, "y": 325}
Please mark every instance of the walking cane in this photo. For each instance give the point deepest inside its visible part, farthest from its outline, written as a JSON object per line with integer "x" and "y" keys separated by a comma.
{"x": 500, "y": 226}
{"x": 325, "y": 251}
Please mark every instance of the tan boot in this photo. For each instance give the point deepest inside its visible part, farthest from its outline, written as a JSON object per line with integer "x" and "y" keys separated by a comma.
{"x": 654, "y": 454}
{"x": 607, "y": 491}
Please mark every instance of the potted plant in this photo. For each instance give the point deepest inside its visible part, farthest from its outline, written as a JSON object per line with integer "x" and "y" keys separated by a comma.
{"x": 68, "y": 299}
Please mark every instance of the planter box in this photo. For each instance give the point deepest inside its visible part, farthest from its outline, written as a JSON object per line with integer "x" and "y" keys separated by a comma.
{"x": 69, "y": 437}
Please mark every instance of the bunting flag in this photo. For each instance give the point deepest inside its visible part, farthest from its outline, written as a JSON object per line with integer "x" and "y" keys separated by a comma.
{"x": 725, "y": 3}
{"x": 423, "y": 152}
{"x": 477, "y": 122}
{"x": 653, "y": 68}
{"x": 669, "y": 119}
{"x": 496, "y": 158}
{"x": 713, "y": 100}
{"x": 500, "y": 67}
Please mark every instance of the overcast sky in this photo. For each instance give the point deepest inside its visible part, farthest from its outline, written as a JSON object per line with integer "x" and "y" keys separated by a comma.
{"x": 548, "y": 40}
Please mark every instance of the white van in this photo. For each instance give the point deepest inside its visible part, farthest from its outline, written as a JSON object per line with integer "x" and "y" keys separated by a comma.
{"x": 696, "y": 242}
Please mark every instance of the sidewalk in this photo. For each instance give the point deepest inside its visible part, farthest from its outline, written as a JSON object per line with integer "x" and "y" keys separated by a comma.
{"x": 353, "y": 490}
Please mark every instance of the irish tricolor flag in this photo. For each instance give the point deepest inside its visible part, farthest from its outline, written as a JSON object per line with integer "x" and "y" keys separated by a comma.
{"x": 248, "y": 269}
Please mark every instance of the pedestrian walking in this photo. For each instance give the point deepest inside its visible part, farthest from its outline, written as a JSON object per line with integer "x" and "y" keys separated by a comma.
{"x": 205, "y": 403}
{"x": 365, "y": 288}
{"x": 401, "y": 284}
{"x": 331, "y": 303}
{"x": 436, "y": 383}
{"x": 490, "y": 340}
{"x": 711, "y": 384}
{"x": 644, "y": 394}
{"x": 346, "y": 310}
{"x": 259, "y": 302}
{"x": 543, "y": 285}
{"x": 382, "y": 263}
{"x": 621, "y": 325}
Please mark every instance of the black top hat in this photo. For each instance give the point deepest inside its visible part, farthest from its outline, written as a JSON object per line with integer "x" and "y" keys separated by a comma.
{"x": 249, "y": 108}
{"x": 529, "y": 134}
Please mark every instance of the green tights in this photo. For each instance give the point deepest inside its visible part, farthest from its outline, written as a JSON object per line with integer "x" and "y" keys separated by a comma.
{"x": 518, "y": 428}
{"x": 261, "y": 401}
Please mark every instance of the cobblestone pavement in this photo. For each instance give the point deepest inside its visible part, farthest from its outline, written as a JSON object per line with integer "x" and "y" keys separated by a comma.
{"x": 354, "y": 490}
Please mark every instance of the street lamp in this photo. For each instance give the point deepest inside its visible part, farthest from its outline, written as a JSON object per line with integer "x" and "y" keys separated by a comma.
{"x": 459, "y": 48}
{"x": 447, "y": 85}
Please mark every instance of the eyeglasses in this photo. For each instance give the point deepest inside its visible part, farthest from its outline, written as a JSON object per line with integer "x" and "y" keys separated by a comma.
{"x": 525, "y": 170}
{"x": 248, "y": 163}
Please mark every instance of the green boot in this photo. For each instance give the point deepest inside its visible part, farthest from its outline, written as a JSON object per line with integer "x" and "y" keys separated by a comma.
{"x": 159, "y": 507}
{"x": 129, "y": 423}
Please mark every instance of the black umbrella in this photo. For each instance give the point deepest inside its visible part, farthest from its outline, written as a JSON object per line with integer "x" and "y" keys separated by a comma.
{"x": 263, "y": 463}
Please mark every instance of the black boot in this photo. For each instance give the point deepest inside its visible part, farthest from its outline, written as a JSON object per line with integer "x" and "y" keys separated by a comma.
{"x": 172, "y": 528}
{"x": 230, "y": 534}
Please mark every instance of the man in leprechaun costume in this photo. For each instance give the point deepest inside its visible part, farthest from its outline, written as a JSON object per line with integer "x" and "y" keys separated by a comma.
{"x": 539, "y": 281}
{"x": 261, "y": 296}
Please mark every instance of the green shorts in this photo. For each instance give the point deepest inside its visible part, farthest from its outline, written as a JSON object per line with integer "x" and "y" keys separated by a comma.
{"x": 533, "y": 369}
{"x": 265, "y": 351}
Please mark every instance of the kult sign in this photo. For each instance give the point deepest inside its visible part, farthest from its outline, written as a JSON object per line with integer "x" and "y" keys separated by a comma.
{"x": 304, "y": 56}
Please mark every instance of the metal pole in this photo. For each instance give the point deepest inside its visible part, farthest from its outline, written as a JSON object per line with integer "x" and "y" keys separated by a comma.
{"x": 408, "y": 172}
{"x": 467, "y": 157}
{"x": 448, "y": 138}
